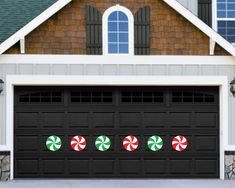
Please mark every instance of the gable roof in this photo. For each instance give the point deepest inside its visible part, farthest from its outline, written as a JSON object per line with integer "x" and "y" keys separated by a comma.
{"x": 19, "y": 17}
{"x": 201, "y": 26}
{"x": 26, "y": 20}
{"x": 14, "y": 14}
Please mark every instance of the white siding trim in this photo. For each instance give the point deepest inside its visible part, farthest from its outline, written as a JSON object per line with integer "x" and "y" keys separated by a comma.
{"x": 18, "y": 80}
{"x": 201, "y": 25}
{"x": 33, "y": 24}
{"x": 4, "y": 148}
{"x": 123, "y": 59}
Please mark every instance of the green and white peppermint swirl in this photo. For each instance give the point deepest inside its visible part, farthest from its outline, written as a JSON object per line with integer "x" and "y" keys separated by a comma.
{"x": 155, "y": 143}
{"x": 102, "y": 143}
{"x": 53, "y": 143}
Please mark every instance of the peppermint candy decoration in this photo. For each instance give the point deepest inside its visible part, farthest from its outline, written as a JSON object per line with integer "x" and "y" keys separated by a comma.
{"x": 78, "y": 143}
{"x": 155, "y": 143}
{"x": 130, "y": 143}
{"x": 179, "y": 143}
{"x": 102, "y": 143}
{"x": 53, "y": 143}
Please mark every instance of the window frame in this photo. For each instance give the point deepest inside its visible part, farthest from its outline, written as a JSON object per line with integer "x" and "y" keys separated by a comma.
{"x": 130, "y": 29}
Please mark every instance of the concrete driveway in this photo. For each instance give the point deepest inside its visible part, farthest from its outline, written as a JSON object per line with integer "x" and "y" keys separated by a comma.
{"x": 118, "y": 184}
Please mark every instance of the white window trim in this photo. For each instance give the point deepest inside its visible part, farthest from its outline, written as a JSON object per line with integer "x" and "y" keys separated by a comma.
{"x": 22, "y": 80}
{"x": 130, "y": 28}
{"x": 214, "y": 15}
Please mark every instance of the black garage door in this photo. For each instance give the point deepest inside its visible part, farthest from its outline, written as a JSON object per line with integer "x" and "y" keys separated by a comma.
{"x": 116, "y": 132}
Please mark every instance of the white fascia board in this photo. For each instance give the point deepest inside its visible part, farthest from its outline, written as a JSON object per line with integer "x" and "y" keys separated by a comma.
{"x": 133, "y": 60}
{"x": 201, "y": 26}
{"x": 33, "y": 24}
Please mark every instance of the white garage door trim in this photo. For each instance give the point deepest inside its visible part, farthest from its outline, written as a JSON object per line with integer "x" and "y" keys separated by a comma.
{"x": 30, "y": 80}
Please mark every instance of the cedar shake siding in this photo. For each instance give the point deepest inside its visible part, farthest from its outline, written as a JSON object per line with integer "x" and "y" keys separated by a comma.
{"x": 65, "y": 32}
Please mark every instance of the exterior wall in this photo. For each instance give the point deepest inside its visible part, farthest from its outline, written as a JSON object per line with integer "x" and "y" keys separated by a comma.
{"x": 229, "y": 165}
{"x": 117, "y": 69}
{"x": 191, "y": 5}
{"x": 65, "y": 32}
{"x": 4, "y": 166}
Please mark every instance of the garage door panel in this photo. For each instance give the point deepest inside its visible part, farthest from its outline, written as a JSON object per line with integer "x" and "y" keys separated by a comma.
{"x": 140, "y": 111}
{"x": 155, "y": 166}
{"x": 206, "y": 143}
{"x": 78, "y": 166}
{"x": 27, "y": 166}
{"x": 103, "y": 166}
{"x": 29, "y": 120}
{"x": 130, "y": 166}
{"x": 103, "y": 120}
{"x": 180, "y": 166}
{"x": 25, "y": 143}
{"x": 180, "y": 120}
{"x": 53, "y": 166}
{"x": 53, "y": 120}
{"x": 154, "y": 119}
{"x": 129, "y": 120}
{"x": 78, "y": 119}
{"x": 206, "y": 166}
{"x": 206, "y": 120}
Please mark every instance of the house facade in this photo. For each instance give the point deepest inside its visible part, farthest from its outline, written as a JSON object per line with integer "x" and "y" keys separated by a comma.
{"x": 117, "y": 89}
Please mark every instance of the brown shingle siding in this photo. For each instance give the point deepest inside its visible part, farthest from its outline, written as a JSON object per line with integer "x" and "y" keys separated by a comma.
{"x": 65, "y": 32}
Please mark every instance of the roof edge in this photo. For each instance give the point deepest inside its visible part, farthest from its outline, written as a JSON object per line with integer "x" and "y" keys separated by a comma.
{"x": 20, "y": 34}
{"x": 201, "y": 26}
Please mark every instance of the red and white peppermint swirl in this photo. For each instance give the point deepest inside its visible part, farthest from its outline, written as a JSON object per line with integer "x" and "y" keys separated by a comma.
{"x": 78, "y": 143}
{"x": 179, "y": 143}
{"x": 130, "y": 143}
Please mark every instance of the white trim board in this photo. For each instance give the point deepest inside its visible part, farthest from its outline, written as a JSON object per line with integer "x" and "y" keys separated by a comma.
{"x": 20, "y": 34}
{"x": 4, "y": 148}
{"x": 123, "y": 59}
{"x": 201, "y": 25}
{"x": 18, "y": 80}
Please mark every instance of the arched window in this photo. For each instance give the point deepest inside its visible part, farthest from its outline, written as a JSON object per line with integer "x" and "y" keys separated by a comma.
{"x": 118, "y": 32}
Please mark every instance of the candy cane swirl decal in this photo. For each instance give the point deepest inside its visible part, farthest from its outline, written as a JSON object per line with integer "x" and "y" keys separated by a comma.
{"x": 78, "y": 143}
{"x": 130, "y": 143}
{"x": 179, "y": 143}
{"x": 53, "y": 143}
{"x": 155, "y": 143}
{"x": 102, "y": 143}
